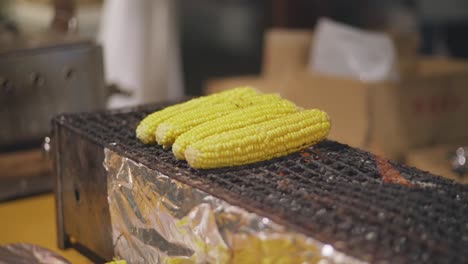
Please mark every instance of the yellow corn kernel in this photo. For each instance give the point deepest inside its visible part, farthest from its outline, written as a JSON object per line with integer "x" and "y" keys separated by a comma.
{"x": 259, "y": 142}
{"x": 237, "y": 119}
{"x": 147, "y": 127}
{"x": 117, "y": 261}
{"x": 168, "y": 131}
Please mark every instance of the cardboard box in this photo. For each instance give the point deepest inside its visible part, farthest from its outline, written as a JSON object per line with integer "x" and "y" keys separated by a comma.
{"x": 427, "y": 108}
{"x": 429, "y": 105}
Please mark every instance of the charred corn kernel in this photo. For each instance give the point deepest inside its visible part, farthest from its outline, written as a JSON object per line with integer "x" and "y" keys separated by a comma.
{"x": 168, "y": 131}
{"x": 147, "y": 127}
{"x": 258, "y": 142}
{"x": 237, "y": 119}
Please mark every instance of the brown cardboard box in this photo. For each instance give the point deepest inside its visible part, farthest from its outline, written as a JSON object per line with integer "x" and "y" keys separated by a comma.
{"x": 429, "y": 105}
{"x": 427, "y": 108}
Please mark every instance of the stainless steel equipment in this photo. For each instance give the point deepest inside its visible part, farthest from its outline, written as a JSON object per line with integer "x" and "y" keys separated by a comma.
{"x": 39, "y": 79}
{"x": 41, "y": 76}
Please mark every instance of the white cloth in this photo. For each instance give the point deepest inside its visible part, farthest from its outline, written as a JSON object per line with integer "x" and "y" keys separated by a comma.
{"x": 141, "y": 52}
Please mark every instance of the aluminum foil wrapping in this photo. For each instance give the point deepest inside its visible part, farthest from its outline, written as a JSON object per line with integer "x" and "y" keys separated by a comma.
{"x": 27, "y": 253}
{"x": 156, "y": 219}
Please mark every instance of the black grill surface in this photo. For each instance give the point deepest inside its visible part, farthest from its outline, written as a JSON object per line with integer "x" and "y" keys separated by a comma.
{"x": 365, "y": 206}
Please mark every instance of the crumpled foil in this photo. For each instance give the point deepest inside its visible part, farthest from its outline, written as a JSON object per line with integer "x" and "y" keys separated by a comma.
{"x": 27, "y": 253}
{"x": 156, "y": 219}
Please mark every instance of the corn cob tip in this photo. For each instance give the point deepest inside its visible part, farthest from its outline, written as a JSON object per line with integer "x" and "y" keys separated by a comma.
{"x": 191, "y": 155}
{"x": 142, "y": 136}
{"x": 177, "y": 150}
{"x": 161, "y": 135}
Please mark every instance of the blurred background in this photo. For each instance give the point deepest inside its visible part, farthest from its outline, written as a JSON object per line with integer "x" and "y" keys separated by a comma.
{"x": 84, "y": 55}
{"x": 228, "y": 35}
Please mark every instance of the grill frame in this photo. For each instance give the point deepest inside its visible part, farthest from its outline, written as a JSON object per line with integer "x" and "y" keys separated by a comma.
{"x": 308, "y": 181}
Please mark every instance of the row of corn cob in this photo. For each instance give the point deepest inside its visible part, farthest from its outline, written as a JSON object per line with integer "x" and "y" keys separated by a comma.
{"x": 234, "y": 127}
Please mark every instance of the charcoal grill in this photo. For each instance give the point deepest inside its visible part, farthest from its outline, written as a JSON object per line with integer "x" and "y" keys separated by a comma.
{"x": 364, "y": 206}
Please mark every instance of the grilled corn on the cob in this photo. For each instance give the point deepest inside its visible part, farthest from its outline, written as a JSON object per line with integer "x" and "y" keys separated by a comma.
{"x": 237, "y": 119}
{"x": 259, "y": 142}
{"x": 169, "y": 130}
{"x": 147, "y": 127}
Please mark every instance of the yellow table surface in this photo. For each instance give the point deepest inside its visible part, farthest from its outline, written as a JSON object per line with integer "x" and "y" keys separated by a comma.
{"x": 32, "y": 220}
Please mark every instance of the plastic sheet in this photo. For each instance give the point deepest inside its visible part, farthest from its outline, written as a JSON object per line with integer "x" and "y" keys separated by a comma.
{"x": 156, "y": 219}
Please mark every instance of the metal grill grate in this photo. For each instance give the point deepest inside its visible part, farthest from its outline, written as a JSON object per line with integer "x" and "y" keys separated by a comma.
{"x": 376, "y": 210}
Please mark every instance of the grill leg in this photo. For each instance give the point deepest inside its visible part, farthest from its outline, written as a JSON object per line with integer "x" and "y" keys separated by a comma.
{"x": 62, "y": 239}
